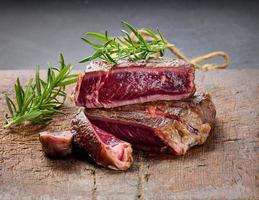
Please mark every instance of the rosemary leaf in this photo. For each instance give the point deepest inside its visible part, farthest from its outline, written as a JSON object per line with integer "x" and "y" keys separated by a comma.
{"x": 94, "y": 44}
{"x": 120, "y": 48}
{"x": 40, "y": 99}
{"x": 98, "y": 36}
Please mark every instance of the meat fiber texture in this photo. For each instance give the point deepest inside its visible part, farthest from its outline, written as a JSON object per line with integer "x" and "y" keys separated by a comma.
{"x": 134, "y": 82}
{"x": 56, "y": 144}
{"x": 104, "y": 148}
{"x": 148, "y": 104}
{"x": 162, "y": 126}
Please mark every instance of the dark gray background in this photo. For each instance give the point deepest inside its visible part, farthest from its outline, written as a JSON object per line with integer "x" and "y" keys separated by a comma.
{"x": 35, "y": 32}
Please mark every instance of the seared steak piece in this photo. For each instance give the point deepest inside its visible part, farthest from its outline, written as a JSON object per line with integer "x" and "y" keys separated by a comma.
{"x": 135, "y": 82}
{"x": 56, "y": 144}
{"x": 104, "y": 148}
{"x": 160, "y": 126}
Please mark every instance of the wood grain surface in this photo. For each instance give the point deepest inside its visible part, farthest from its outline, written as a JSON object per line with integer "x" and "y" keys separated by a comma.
{"x": 225, "y": 167}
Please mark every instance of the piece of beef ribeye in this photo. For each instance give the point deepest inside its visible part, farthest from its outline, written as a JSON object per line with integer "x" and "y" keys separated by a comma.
{"x": 135, "y": 82}
{"x": 56, "y": 144}
{"x": 104, "y": 148}
{"x": 160, "y": 126}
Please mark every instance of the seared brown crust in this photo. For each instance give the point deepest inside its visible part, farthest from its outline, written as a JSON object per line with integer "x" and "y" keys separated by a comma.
{"x": 158, "y": 62}
{"x": 179, "y": 124}
{"x": 114, "y": 153}
{"x": 85, "y": 135}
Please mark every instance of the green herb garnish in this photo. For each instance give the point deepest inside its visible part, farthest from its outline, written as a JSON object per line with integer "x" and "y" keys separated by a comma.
{"x": 40, "y": 99}
{"x": 125, "y": 48}
{"x": 134, "y": 45}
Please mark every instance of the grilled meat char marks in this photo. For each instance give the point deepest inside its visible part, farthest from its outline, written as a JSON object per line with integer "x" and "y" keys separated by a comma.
{"x": 159, "y": 126}
{"x": 104, "y": 148}
{"x": 135, "y": 82}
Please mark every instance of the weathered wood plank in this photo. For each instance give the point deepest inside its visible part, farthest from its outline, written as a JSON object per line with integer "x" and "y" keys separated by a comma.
{"x": 225, "y": 167}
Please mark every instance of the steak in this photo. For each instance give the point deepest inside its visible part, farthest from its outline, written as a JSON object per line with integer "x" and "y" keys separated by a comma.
{"x": 135, "y": 82}
{"x": 104, "y": 148}
{"x": 162, "y": 126}
{"x": 56, "y": 144}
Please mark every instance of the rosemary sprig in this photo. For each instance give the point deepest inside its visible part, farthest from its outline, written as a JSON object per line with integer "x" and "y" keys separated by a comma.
{"x": 133, "y": 46}
{"x": 119, "y": 48}
{"x": 40, "y": 99}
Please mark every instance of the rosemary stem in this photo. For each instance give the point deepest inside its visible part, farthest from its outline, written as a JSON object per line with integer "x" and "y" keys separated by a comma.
{"x": 39, "y": 100}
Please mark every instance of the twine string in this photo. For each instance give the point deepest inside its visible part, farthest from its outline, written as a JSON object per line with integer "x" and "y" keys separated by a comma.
{"x": 198, "y": 61}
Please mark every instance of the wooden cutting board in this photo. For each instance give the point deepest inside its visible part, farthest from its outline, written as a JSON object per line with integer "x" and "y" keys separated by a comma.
{"x": 225, "y": 167}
